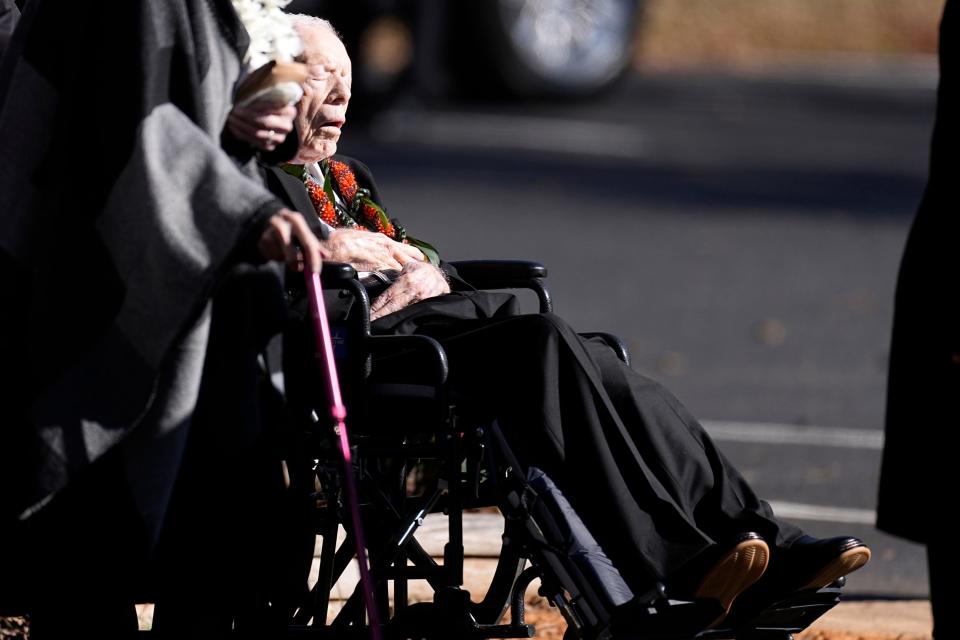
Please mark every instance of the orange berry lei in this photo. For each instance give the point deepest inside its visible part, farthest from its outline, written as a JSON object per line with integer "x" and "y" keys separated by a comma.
{"x": 321, "y": 202}
{"x": 355, "y": 210}
{"x": 360, "y": 211}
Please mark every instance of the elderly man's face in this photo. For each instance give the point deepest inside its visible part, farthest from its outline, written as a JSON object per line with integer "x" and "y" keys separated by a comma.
{"x": 322, "y": 110}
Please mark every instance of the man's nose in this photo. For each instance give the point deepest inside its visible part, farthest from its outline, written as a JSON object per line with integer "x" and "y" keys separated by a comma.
{"x": 341, "y": 91}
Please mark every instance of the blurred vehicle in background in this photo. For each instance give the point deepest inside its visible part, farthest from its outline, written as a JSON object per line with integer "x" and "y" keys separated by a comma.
{"x": 481, "y": 48}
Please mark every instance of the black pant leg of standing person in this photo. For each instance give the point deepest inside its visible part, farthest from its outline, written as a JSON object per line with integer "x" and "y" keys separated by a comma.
{"x": 944, "y": 567}
{"x": 923, "y": 382}
{"x": 86, "y": 557}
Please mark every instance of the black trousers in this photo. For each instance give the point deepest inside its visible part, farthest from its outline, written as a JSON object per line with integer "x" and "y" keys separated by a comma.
{"x": 82, "y": 558}
{"x": 234, "y": 547}
{"x": 638, "y": 468}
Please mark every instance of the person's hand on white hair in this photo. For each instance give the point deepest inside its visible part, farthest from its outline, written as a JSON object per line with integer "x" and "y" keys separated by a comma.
{"x": 261, "y": 125}
{"x": 418, "y": 281}
{"x": 289, "y": 239}
{"x": 368, "y": 251}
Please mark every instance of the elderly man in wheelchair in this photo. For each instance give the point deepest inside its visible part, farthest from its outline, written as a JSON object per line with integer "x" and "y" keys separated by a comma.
{"x": 633, "y": 520}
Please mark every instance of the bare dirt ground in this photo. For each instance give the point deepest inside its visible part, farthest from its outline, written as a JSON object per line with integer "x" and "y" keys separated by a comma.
{"x": 871, "y": 620}
{"x": 909, "y": 620}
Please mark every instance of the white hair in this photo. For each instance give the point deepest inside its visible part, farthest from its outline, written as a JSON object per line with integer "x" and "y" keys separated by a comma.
{"x": 304, "y": 20}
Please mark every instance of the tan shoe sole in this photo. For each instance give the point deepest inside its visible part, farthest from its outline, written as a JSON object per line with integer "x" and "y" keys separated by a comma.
{"x": 847, "y": 562}
{"x": 736, "y": 571}
{"x": 274, "y": 73}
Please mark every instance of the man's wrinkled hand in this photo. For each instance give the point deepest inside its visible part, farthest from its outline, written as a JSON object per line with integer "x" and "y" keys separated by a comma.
{"x": 418, "y": 281}
{"x": 289, "y": 239}
{"x": 367, "y": 251}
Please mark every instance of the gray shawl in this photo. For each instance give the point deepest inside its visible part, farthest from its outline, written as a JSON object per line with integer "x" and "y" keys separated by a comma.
{"x": 8, "y": 20}
{"x": 118, "y": 212}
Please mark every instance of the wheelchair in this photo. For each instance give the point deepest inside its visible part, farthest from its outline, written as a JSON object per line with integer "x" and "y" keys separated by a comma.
{"x": 411, "y": 425}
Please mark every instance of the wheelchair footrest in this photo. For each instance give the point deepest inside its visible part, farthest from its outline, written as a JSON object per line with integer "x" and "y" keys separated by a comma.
{"x": 665, "y": 619}
{"x": 790, "y": 615}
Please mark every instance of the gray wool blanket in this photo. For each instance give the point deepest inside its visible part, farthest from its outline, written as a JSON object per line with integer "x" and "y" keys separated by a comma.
{"x": 119, "y": 211}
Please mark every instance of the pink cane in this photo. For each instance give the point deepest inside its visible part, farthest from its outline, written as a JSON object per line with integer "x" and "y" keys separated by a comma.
{"x": 321, "y": 329}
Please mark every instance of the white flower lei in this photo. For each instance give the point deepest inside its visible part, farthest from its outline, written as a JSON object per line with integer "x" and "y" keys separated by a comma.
{"x": 272, "y": 36}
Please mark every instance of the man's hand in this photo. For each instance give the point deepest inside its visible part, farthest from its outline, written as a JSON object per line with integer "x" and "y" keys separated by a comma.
{"x": 368, "y": 251}
{"x": 262, "y": 125}
{"x": 287, "y": 238}
{"x": 418, "y": 281}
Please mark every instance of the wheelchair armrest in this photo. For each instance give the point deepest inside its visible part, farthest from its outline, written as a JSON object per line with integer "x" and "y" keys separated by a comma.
{"x": 613, "y": 342}
{"x": 335, "y": 273}
{"x": 499, "y": 269}
{"x": 506, "y": 274}
{"x": 431, "y": 361}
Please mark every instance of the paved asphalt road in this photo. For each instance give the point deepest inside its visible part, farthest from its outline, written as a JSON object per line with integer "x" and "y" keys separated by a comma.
{"x": 741, "y": 234}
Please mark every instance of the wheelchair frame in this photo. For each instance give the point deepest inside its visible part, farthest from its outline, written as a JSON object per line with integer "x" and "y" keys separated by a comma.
{"x": 468, "y": 475}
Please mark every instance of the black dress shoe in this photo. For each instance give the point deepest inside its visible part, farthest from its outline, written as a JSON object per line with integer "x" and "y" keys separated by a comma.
{"x": 814, "y": 563}
{"x": 734, "y": 572}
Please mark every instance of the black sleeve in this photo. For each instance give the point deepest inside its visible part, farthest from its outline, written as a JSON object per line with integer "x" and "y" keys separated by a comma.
{"x": 453, "y": 277}
{"x": 243, "y": 152}
{"x": 283, "y": 152}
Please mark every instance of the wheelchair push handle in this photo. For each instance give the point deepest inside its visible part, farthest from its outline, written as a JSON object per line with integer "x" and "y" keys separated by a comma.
{"x": 338, "y": 412}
